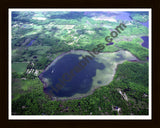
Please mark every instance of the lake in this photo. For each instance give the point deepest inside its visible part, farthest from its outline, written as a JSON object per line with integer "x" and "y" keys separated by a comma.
{"x": 145, "y": 41}
{"x": 99, "y": 72}
{"x": 80, "y": 83}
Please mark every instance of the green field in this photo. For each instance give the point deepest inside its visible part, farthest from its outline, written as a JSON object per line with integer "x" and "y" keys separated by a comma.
{"x": 19, "y": 67}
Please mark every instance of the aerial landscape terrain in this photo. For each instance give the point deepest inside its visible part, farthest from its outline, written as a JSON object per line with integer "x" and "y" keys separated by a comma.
{"x": 80, "y": 62}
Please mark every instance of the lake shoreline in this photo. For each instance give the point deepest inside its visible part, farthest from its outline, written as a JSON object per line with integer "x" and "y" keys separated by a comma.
{"x": 76, "y": 96}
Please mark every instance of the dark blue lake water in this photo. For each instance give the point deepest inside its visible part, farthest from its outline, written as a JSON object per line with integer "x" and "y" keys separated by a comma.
{"x": 111, "y": 43}
{"x": 80, "y": 83}
{"x": 145, "y": 41}
{"x": 147, "y": 58}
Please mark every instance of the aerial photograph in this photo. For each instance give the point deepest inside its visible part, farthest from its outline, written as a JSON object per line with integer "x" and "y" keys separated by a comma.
{"x": 69, "y": 62}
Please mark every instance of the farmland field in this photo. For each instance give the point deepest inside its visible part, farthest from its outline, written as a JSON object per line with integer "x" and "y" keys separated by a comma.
{"x": 19, "y": 67}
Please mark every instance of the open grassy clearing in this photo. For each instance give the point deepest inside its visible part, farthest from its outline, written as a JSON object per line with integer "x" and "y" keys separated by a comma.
{"x": 21, "y": 87}
{"x": 19, "y": 67}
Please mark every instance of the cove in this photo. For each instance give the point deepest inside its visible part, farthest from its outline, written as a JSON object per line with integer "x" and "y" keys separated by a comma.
{"x": 81, "y": 83}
